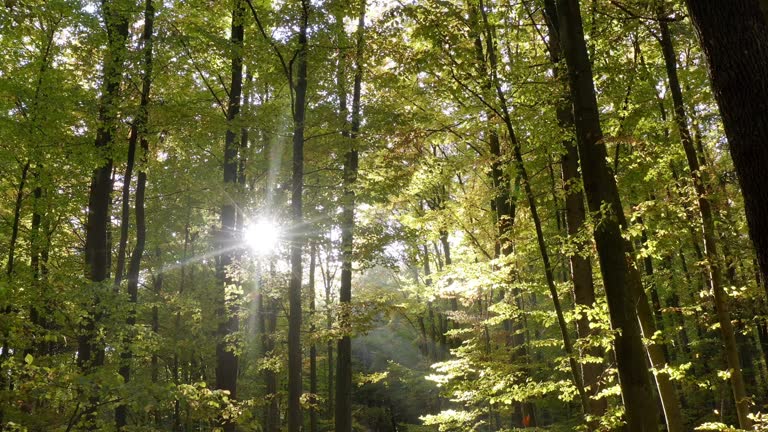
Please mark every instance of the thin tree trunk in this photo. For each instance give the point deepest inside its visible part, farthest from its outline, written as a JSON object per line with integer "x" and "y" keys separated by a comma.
{"x": 295, "y": 419}
{"x": 708, "y": 222}
{"x": 313, "y": 346}
{"x": 227, "y": 314}
{"x": 16, "y": 219}
{"x": 159, "y": 279}
{"x": 272, "y": 412}
{"x": 137, "y": 129}
{"x": 327, "y": 283}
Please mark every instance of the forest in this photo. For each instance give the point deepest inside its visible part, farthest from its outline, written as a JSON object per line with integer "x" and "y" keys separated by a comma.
{"x": 384, "y": 215}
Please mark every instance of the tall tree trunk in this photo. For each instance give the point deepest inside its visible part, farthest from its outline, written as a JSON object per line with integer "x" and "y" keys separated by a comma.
{"x": 602, "y": 194}
{"x": 327, "y": 284}
{"x": 125, "y": 211}
{"x": 154, "y": 362}
{"x": 97, "y": 250}
{"x": 138, "y": 129}
{"x": 521, "y": 171}
{"x": 344, "y": 349}
{"x": 271, "y": 412}
{"x": 177, "y": 423}
{"x": 295, "y": 419}
{"x": 734, "y": 37}
{"x": 705, "y": 208}
{"x": 226, "y": 359}
{"x": 313, "y": 346}
{"x": 575, "y": 217}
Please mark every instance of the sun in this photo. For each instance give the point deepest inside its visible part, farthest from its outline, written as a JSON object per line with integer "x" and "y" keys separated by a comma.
{"x": 262, "y": 236}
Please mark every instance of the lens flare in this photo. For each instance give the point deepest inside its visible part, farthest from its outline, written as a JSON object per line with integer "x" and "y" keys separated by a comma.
{"x": 262, "y": 237}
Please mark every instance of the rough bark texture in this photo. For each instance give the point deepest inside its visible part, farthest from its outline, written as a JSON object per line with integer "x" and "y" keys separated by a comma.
{"x": 734, "y": 37}
{"x": 602, "y": 195}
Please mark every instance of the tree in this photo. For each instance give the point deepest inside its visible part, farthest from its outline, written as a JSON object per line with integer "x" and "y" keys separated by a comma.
{"x": 343, "y": 418}
{"x": 603, "y": 197}
{"x": 295, "y": 420}
{"x": 737, "y": 67}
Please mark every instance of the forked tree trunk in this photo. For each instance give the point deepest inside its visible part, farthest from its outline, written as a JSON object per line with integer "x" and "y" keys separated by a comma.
{"x": 138, "y": 129}
{"x": 97, "y": 251}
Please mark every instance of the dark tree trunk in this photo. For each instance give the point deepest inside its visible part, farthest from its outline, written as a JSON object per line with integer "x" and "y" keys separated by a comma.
{"x": 575, "y": 217}
{"x": 313, "y": 346}
{"x": 738, "y": 67}
{"x": 601, "y": 192}
{"x": 97, "y": 250}
{"x": 137, "y": 129}
{"x": 344, "y": 350}
{"x": 295, "y": 419}
{"x": 226, "y": 359}
{"x": 734, "y": 37}
{"x": 16, "y": 219}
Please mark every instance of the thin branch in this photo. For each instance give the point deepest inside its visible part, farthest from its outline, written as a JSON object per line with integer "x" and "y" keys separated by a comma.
{"x": 200, "y": 72}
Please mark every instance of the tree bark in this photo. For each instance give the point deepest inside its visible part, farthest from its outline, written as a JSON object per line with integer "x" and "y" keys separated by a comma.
{"x": 16, "y": 219}
{"x": 575, "y": 218}
{"x": 734, "y": 38}
{"x": 313, "y": 346}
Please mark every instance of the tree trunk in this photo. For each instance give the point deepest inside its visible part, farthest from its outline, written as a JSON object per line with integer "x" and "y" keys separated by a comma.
{"x": 16, "y": 219}
{"x": 734, "y": 38}
{"x": 705, "y": 208}
{"x": 228, "y": 322}
{"x": 313, "y": 346}
{"x": 602, "y": 194}
{"x": 344, "y": 350}
{"x": 137, "y": 129}
{"x": 295, "y": 420}
{"x": 575, "y": 217}
{"x": 97, "y": 250}
{"x": 271, "y": 411}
